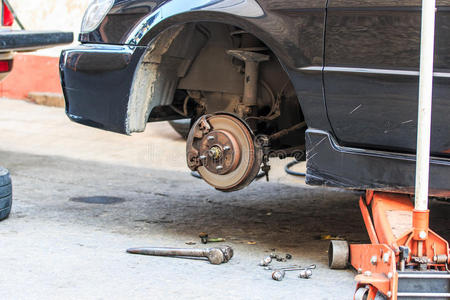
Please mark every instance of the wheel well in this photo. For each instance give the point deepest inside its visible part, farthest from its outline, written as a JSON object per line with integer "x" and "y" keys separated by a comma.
{"x": 186, "y": 72}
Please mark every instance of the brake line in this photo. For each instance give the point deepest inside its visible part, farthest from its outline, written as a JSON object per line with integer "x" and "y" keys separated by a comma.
{"x": 288, "y": 170}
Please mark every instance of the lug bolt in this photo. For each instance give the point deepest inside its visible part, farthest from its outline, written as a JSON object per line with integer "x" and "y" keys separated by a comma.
{"x": 226, "y": 148}
{"x": 278, "y": 275}
{"x": 210, "y": 138}
{"x": 373, "y": 260}
{"x": 305, "y": 274}
{"x": 266, "y": 261}
{"x": 219, "y": 168}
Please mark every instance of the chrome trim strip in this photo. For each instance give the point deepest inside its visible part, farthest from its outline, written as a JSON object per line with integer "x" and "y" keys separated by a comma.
{"x": 422, "y": 275}
{"x": 423, "y": 295}
{"x": 370, "y": 71}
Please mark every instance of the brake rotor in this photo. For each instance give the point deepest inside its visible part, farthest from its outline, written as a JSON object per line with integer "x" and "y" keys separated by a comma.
{"x": 222, "y": 150}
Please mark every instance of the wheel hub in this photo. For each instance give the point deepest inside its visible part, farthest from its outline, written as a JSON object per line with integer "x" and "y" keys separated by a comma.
{"x": 219, "y": 152}
{"x": 222, "y": 149}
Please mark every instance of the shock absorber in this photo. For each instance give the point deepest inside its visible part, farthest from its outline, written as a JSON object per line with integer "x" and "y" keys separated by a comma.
{"x": 252, "y": 61}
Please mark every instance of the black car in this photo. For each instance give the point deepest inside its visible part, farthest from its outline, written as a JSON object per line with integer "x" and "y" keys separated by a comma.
{"x": 336, "y": 79}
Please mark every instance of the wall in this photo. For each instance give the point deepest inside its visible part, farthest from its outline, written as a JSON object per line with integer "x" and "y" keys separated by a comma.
{"x": 64, "y": 15}
{"x": 38, "y": 71}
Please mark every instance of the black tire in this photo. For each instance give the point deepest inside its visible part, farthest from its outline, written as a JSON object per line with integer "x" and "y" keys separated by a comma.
{"x": 5, "y": 193}
{"x": 182, "y": 127}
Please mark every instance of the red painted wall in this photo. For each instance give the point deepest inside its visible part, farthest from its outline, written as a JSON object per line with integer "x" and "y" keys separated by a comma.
{"x": 31, "y": 73}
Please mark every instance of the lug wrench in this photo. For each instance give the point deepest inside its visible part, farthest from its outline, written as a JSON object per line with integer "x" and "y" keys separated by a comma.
{"x": 279, "y": 274}
{"x": 215, "y": 256}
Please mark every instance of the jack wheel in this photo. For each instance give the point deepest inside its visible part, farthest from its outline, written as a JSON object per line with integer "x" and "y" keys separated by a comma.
{"x": 338, "y": 254}
{"x": 361, "y": 294}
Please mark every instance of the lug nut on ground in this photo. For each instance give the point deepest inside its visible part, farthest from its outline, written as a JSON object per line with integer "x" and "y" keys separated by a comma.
{"x": 265, "y": 261}
{"x": 305, "y": 274}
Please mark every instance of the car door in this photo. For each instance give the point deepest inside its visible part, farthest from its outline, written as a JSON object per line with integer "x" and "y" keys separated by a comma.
{"x": 371, "y": 74}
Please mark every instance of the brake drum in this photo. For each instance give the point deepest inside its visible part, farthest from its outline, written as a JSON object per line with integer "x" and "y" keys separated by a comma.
{"x": 223, "y": 150}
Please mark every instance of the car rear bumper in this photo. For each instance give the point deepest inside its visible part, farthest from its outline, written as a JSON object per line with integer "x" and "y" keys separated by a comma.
{"x": 96, "y": 81}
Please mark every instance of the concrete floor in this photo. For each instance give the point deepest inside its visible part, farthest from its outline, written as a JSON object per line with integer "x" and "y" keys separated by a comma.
{"x": 54, "y": 247}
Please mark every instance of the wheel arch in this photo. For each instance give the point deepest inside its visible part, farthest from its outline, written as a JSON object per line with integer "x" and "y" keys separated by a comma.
{"x": 153, "y": 82}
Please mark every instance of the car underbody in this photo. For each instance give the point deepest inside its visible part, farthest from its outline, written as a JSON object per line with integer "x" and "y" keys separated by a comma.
{"x": 228, "y": 74}
{"x": 210, "y": 69}
{"x": 237, "y": 77}
{"x": 206, "y": 63}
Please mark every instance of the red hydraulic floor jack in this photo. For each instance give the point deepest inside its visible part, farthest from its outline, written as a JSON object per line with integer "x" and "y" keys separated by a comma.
{"x": 405, "y": 260}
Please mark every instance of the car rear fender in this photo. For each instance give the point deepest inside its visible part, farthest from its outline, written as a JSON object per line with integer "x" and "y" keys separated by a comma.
{"x": 156, "y": 77}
